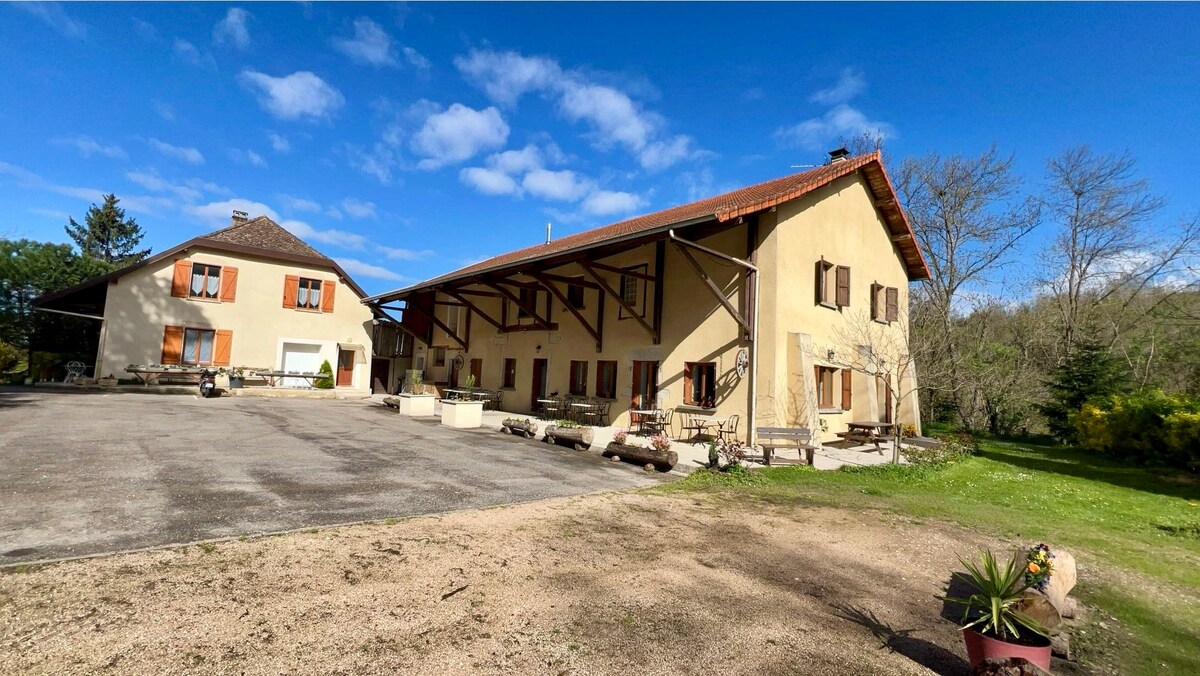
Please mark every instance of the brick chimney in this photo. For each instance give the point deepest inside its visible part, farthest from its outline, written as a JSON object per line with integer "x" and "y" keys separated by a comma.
{"x": 240, "y": 217}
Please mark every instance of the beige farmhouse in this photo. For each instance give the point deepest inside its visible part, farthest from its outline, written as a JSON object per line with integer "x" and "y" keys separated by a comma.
{"x": 719, "y": 307}
{"x": 250, "y": 295}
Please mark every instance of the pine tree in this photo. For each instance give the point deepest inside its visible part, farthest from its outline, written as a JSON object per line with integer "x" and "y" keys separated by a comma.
{"x": 1088, "y": 372}
{"x": 107, "y": 235}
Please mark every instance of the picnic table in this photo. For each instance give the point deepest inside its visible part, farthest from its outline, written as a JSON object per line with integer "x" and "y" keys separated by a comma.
{"x": 146, "y": 374}
{"x": 702, "y": 423}
{"x": 867, "y": 431}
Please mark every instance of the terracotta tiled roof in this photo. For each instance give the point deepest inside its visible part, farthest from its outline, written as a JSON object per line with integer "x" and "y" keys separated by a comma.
{"x": 263, "y": 233}
{"x": 723, "y": 207}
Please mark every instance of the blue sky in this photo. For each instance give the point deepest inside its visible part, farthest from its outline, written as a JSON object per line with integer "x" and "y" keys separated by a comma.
{"x": 407, "y": 140}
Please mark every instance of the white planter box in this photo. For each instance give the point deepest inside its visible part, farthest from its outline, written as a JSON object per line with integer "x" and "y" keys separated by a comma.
{"x": 465, "y": 414}
{"x": 416, "y": 404}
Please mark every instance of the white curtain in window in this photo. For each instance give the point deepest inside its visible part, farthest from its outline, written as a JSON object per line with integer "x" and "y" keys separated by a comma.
{"x": 214, "y": 278}
{"x": 206, "y": 347}
{"x": 302, "y": 296}
{"x": 315, "y": 294}
{"x": 189, "y": 346}
{"x": 197, "y": 281}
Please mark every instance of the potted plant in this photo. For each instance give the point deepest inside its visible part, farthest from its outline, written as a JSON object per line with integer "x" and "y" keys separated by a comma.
{"x": 237, "y": 375}
{"x": 995, "y": 626}
{"x": 524, "y": 427}
{"x": 570, "y": 434}
{"x": 659, "y": 454}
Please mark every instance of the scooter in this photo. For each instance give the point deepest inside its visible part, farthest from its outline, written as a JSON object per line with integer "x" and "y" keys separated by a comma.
{"x": 208, "y": 382}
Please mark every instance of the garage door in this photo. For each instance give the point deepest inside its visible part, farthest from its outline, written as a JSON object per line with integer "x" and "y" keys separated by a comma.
{"x": 302, "y": 358}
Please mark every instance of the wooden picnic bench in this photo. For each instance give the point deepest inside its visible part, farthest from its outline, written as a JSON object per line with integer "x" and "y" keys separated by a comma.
{"x": 797, "y": 439}
{"x": 867, "y": 433}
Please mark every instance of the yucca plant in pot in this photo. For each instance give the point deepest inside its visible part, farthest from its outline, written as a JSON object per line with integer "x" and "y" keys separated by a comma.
{"x": 993, "y": 624}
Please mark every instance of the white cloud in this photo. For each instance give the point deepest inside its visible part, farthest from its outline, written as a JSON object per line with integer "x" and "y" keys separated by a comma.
{"x": 378, "y": 161}
{"x": 53, "y": 15}
{"x": 608, "y": 203}
{"x": 358, "y": 209}
{"x": 562, "y": 186}
{"x": 299, "y": 204}
{"x": 662, "y": 154}
{"x": 186, "y": 154}
{"x": 188, "y": 53}
{"x": 489, "y": 181}
{"x": 145, "y": 29}
{"x": 150, "y": 180}
{"x": 841, "y": 121}
{"x": 404, "y": 254}
{"x": 370, "y": 44}
{"x": 358, "y": 268}
{"x": 164, "y": 110}
{"x": 247, "y": 157}
{"x": 332, "y": 212}
{"x": 338, "y": 238}
{"x": 613, "y": 114}
{"x": 217, "y": 214}
{"x": 850, "y": 84}
{"x": 458, "y": 134}
{"x": 27, "y": 179}
{"x": 49, "y": 213}
{"x": 301, "y": 94}
{"x": 415, "y": 58}
{"x": 233, "y": 28}
{"x": 505, "y": 76}
{"x": 88, "y": 146}
{"x": 279, "y": 143}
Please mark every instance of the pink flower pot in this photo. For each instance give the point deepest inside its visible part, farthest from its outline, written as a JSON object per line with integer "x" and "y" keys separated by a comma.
{"x": 980, "y": 648}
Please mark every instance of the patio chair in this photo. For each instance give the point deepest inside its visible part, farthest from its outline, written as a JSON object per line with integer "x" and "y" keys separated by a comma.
{"x": 553, "y": 409}
{"x": 728, "y": 431}
{"x": 598, "y": 414}
{"x": 692, "y": 422}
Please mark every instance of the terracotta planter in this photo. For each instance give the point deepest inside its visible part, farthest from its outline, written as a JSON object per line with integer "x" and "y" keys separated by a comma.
{"x": 980, "y": 648}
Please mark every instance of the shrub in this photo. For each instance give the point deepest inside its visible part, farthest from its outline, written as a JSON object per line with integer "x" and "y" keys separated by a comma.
{"x": 660, "y": 442}
{"x": 10, "y": 356}
{"x": 1149, "y": 428}
{"x": 620, "y": 436}
{"x": 325, "y": 383}
{"x": 949, "y": 451}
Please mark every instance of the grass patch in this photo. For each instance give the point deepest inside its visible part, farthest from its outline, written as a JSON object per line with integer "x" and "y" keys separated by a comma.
{"x": 1135, "y": 532}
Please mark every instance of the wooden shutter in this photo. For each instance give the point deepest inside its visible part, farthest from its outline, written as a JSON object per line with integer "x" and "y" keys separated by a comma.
{"x": 876, "y": 311}
{"x": 290, "y": 288}
{"x": 893, "y": 304}
{"x": 817, "y": 379}
{"x": 223, "y": 344}
{"x": 180, "y": 279}
{"x": 820, "y": 285}
{"x": 172, "y": 345}
{"x": 327, "y": 289}
{"x": 847, "y": 379}
{"x": 843, "y": 286}
{"x": 228, "y": 284}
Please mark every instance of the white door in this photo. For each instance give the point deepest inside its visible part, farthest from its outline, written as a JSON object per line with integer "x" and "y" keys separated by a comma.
{"x": 301, "y": 358}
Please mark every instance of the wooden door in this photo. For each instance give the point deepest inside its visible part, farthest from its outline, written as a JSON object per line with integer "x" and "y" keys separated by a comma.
{"x": 538, "y": 388}
{"x": 345, "y": 368}
{"x": 645, "y": 384}
{"x": 477, "y": 371}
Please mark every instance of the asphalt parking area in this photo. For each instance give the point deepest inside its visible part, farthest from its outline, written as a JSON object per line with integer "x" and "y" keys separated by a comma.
{"x": 86, "y": 473}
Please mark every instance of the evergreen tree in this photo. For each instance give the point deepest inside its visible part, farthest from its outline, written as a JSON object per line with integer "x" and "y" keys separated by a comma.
{"x": 107, "y": 235}
{"x": 1088, "y": 372}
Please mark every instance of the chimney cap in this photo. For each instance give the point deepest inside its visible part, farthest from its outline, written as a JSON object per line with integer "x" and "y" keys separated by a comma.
{"x": 240, "y": 216}
{"x": 839, "y": 154}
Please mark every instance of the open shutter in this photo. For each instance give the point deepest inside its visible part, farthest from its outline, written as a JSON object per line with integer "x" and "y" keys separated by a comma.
{"x": 223, "y": 345}
{"x": 291, "y": 284}
{"x": 843, "y": 286}
{"x": 876, "y": 310}
{"x": 172, "y": 346}
{"x": 228, "y": 284}
{"x": 180, "y": 278}
{"x": 847, "y": 379}
{"x": 820, "y": 285}
{"x": 327, "y": 289}
{"x": 893, "y": 304}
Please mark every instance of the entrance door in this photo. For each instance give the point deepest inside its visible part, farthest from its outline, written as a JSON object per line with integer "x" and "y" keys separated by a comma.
{"x": 539, "y": 383}
{"x": 379, "y": 375}
{"x": 645, "y": 384}
{"x": 345, "y": 368}
{"x": 477, "y": 371}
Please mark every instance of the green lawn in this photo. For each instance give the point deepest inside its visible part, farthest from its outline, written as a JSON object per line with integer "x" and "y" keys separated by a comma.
{"x": 1136, "y": 534}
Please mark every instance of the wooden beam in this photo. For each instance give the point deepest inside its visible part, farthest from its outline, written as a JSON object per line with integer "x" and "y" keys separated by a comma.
{"x": 471, "y": 307}
{"x": 472, "y": 292}
{"x": 587, "y": 267}
{"x": 562, "y": 298}
{"x": 712, "y": 287}
{"x": 446, "y": 302}
{"x": 903, "y": 237}
{"x": 579, "y": 281}
{"x": 539, "y": 321}
{"x": 431, "y": 317}
{"x": 622, "y": 271}
{"x": 660, "y": 265}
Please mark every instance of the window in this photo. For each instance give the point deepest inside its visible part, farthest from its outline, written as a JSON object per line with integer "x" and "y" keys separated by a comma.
{"x": 508, "y": 378}
{"x": 885, "y": 303}
{"x": 578, "y": 384}
{"x": 527, "y": 300}
{"x": 833, "y": 284}
{"x": 308, "y": 294}
{"x": 439, "y": 356}
{"x": 629, "y": 289}
{"x": 206, "y": 281}
{"x": 633, "y": 292}
{"x": 827, "y": 377}
{"x": 606, "y": 379}
{"x": 575, "y": 296}
{"x": 452, "y": 316}
{"x": 197, "y": 346}
{"x": 700, "y": 384}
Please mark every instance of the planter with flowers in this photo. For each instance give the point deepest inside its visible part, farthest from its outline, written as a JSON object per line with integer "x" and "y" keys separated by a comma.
{"x": 570, "y": 434}
{"x": 659, "y": 454}
{"x": 996, "y": 617}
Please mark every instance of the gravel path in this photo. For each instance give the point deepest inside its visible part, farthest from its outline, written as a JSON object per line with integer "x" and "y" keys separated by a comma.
{"x": 618, "y": 583}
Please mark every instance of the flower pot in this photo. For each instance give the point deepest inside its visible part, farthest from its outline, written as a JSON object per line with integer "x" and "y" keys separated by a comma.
{"x": 579, "y": 438}
{"x": 235, "y": 383}
{"x": 981, "y": 647}
{"x": 663, "y": 461}
{"x": 525, "y": 428}
{"x": 415, "y": 404}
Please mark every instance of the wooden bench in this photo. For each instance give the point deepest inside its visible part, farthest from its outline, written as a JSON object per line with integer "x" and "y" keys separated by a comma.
{"x": 797, "y": 439}
{"x": 864, "y": 437}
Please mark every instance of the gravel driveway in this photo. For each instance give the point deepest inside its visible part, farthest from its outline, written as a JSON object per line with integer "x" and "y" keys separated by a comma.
{"x": 95, "y": 472}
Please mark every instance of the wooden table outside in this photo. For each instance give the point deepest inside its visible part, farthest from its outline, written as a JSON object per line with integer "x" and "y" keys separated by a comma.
{"x": 145, "y": 374}
{"x": 867, "y": 431}
{"x": 273, "y": 376}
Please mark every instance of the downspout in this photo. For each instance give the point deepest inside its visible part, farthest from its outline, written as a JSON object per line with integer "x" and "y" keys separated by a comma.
{"x": 753, "y": 413}
{"x": 103, "y": 335}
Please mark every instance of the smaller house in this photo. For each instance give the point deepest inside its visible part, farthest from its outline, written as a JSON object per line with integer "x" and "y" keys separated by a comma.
{"x": 250, "y": 295}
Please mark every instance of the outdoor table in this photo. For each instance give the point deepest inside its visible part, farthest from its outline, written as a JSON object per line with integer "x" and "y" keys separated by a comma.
{"x": 867, "y": 431}
{"x": 274, "y": 376}
{"x": 144, "y": 374}
{"x": 583, "y": 406}
{"x": 642, "y": 414}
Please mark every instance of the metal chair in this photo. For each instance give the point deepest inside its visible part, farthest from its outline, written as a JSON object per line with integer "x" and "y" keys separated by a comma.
{"x": 75, "y": 371}
{"x": 729, "y": 429}
{"x": 692, "y": 422}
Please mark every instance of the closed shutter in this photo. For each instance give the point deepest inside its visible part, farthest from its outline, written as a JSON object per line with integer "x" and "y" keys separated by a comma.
{"x": 180, "y": 279}
{"x": 843, "y": 286}
{"x": 291, "y": 284}
{"x": 228, "y": 284}
{"x": 222, "y": 348}
{"x": 847, "y": 379}
{"x": 893, "y": 304}
{"x": 172, "y": 345}
{"x": 327, "y": 289}
{"x": 876, "y": 311}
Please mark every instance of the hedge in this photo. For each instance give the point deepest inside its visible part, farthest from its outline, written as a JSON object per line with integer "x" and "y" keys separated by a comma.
{"x": 1149, "y": 428}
